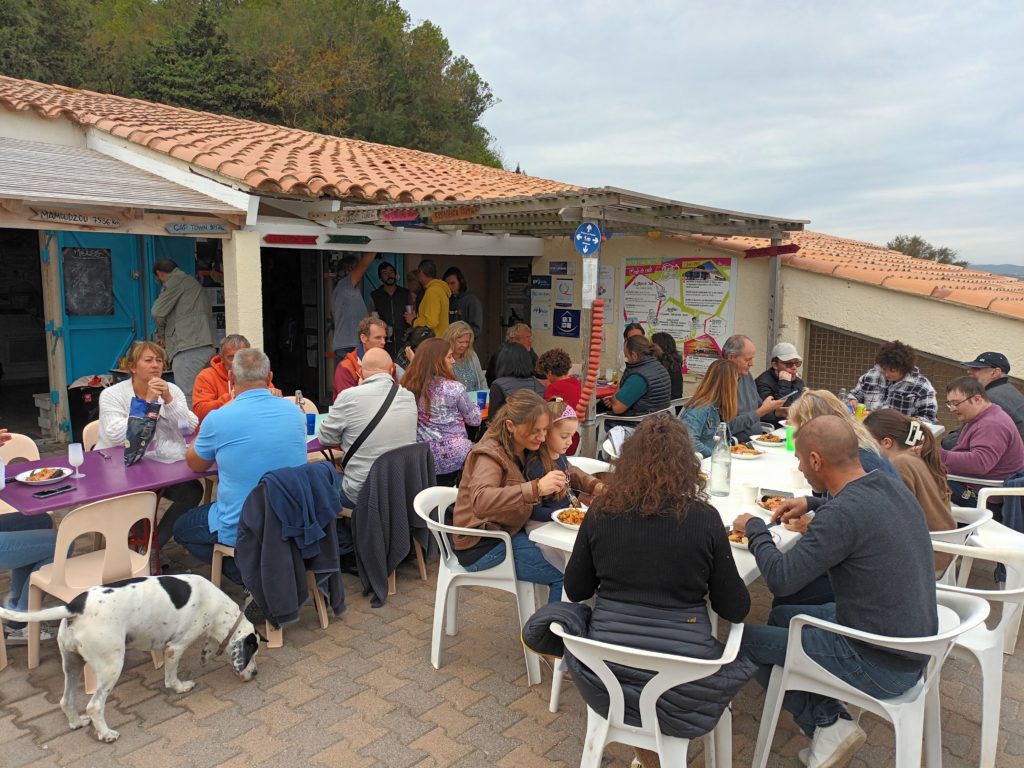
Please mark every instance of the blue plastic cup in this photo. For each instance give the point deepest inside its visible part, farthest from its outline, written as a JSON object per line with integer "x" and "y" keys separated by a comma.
{"x": 310, "y": 423}
{"x": 481, "y": 400}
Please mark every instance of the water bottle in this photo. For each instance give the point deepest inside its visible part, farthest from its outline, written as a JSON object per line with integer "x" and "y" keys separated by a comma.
{"x": 843, "y": 396}
{"x": 298, "y": 399}
{"x": 721, "y": 463}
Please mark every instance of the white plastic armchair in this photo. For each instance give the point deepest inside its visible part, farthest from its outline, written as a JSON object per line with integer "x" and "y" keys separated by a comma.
{"x": 986, "y": 645}
{"x": 970, "y": 519}
{"x": 670, "y": 670}
{"x": 603, "y": 418}
{"x": 915, "y": 714}
{"x": 430, "y": 504}
{"x": 590, "y": 466}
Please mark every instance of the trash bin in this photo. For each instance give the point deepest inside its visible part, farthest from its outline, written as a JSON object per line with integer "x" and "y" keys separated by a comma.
{"x": 84, "y": 402}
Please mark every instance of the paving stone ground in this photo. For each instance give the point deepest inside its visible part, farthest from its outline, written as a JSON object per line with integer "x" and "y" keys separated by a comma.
{"x": 363, "y": 693}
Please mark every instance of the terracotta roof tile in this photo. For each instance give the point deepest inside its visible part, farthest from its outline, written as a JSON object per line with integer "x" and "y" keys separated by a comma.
{"x": 868, "y": 263}
{"x": 273, "y": 158}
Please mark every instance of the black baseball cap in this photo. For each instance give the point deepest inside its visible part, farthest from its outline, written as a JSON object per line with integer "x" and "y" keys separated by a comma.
{"x": 989, "y": 360}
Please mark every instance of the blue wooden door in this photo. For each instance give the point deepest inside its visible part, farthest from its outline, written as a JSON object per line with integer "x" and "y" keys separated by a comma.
{"x": 101, "y": 297}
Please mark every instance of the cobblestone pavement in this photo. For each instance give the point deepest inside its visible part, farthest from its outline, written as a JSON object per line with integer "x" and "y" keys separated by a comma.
{"x": 363, "y": 693}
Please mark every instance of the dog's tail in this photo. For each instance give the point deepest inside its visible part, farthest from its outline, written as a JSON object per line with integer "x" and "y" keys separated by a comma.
{"x": 47, "y": 614}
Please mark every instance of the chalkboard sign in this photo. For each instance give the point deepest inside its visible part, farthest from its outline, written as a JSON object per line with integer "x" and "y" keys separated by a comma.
{"x": 88, "y": 281}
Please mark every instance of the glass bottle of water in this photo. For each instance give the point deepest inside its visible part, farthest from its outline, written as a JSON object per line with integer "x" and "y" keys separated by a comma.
{"x": 298, "y": 398}
{"x": 721, "y": 463}
{"x": 843, "y": 395}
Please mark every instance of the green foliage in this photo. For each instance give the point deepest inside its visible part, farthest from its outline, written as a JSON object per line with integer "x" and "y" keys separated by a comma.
{"x": 919, "y": 248}
{"x": 356, "y": 68}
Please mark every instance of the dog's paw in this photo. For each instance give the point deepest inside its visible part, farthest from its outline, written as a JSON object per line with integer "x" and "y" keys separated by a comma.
{"x": 79, "y": 722}
{"x": 108, "y": 736}
{"x": 183, "y": 686}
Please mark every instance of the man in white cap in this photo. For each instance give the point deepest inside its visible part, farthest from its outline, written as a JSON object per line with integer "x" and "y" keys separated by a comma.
{"x": 991, "y": 369}
{"x": 781, "y": 380}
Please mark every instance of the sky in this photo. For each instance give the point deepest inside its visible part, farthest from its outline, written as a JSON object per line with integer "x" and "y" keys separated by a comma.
{"x": 870, "y": 119}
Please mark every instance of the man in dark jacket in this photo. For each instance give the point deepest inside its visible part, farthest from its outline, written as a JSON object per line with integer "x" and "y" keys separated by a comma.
{"x": 390, "y": 302}
{"x": 781, "y": 380}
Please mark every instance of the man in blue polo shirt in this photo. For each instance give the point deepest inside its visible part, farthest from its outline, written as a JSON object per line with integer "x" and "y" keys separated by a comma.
{"x": 253, "y": 434}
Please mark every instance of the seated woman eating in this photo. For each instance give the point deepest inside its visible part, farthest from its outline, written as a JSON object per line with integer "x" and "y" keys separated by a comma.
{"x": 645, "y": 386}
{"x": 146, "y": 364}
{"x": 495, "y": 495}
{"x": 712, "y": 403}
{"x": 651, "y": 548}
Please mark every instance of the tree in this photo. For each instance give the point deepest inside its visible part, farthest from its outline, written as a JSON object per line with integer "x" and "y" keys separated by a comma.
{"x": 45, "y": 40}
{"x": 919, "y": 248}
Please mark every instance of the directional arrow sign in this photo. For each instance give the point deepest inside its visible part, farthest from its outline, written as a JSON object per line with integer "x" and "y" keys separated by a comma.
{"x": 587, "y": 238}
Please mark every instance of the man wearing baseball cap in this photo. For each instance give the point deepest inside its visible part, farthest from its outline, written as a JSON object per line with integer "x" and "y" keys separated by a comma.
{"x": 990, "y": 369}
{"x": 781, "y": 380}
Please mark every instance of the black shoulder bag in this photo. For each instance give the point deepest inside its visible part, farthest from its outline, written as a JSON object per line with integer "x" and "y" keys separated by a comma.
{"x": 371, "y": 426}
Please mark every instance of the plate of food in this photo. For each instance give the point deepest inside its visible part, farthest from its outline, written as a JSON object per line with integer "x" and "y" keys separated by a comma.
{"x": 771, "y": 503}
{"x": 745, "y": 452}
{"x": 570, "y": 517}
{"x": 43, "y": 475}
{"x": 739, "y": 540}
{"x": 770, "y": 439}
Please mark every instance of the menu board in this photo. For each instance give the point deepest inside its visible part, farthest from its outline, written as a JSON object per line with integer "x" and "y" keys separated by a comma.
{"x": 690, "y": 299}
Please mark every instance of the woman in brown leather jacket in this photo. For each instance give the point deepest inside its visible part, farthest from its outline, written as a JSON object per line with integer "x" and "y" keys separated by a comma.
{"x": 494, "y": 493}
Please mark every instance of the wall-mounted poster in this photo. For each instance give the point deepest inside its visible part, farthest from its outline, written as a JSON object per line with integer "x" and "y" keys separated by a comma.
{"x": 690, "y": 299}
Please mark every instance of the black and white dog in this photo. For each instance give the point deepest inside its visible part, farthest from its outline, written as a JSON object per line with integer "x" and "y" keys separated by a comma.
{"x": 154, "y": 613}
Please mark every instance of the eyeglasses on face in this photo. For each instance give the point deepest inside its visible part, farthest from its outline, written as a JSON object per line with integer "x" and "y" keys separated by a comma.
{"x": 954, "y": 404}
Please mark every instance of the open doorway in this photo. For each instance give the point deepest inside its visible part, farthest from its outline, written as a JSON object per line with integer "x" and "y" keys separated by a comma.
{"x": 23, "y": 368}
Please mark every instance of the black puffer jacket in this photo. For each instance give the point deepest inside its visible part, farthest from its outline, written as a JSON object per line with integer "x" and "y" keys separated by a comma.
{"x": 687, "y": 711}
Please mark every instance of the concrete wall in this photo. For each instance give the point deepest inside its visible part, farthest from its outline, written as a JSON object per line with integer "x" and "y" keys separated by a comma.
{"x": 28, "y": 126}
{"x": 947, "y": 330}
{"x": 751, "y": 282}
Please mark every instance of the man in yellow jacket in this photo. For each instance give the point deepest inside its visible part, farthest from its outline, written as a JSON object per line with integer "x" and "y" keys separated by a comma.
{"x": 433, "y": 312}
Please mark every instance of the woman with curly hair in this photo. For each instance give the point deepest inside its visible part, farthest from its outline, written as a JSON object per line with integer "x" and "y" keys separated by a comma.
{"x": 651, "y": 548}
{"x": 555, "y": 364}
{"x": 896, "y": 382}
{"x": 444, "y": 406}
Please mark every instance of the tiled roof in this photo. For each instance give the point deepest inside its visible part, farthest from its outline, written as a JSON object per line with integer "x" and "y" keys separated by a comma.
{"x": 868, "y": 263}
{"x": 271, "y": 158}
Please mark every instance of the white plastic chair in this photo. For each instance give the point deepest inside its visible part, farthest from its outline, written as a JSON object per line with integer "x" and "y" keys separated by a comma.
{"x": 451, "y": 575}
{"x": 677, "y": 404}
{"x": 986, "y": 645}
{"x": 68, "y": 576}
{"x": 91, "y": 435}
{"x": 602, "y": 418}
{"x": 970, "y": 520}
{"x": 993, "y": 535}
{"x": 590, "y": 466}
{"x": 670, "y": 671}
{"x": 915, "y": 714}
{"x": 19, "y": 447}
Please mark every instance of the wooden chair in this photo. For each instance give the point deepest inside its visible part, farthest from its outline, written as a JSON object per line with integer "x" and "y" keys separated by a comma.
{"x": 69, "y": 575}
{"x": 91, "y": 435}
{"x": 275, "y": 635}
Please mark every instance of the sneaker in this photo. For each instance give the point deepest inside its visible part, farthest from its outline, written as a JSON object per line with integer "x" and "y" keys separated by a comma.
{"x": 20, "y": 636}
{"x": 833, "y": 744}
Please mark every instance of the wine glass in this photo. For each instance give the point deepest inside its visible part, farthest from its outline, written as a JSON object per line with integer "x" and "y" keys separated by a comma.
{"x": 76, "y": 457}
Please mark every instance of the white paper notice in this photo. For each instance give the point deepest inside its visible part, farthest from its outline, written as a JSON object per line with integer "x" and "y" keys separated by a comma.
{"x": 540, "y": 316}
{"x": 564, "y": 291}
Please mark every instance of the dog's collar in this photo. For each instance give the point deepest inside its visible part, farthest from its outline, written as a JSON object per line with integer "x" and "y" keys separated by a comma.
{"x": 227, "y": 638}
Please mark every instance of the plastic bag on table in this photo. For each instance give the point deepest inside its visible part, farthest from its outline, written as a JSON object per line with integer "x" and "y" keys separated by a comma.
{"x": 169, "y": 441}
{"x": 142, "y": 418}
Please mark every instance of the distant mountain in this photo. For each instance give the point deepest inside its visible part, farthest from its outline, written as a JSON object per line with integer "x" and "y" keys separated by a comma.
{"x": 1010, "y": 270}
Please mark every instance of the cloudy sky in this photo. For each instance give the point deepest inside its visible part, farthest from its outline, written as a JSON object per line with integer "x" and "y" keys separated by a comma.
{"x": 868, "y": 118}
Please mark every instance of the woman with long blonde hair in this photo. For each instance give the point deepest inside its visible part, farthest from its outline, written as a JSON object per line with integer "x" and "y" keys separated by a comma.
{"x": 712, "y": 403}
{"x": 466, "y": 364}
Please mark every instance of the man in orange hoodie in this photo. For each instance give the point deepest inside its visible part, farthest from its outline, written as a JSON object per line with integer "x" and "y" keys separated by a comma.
{"x": 211, "y": 389}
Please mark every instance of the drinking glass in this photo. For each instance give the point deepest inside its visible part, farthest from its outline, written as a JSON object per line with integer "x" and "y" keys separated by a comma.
{"x": 76, "y": 457}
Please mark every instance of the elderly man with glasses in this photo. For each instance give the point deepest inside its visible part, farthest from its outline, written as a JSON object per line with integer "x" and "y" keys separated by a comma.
{"x": 781, "y": 380}
{"x": 989, "y": 446}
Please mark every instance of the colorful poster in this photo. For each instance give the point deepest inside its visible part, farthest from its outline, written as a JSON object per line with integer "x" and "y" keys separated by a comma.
{"x": 690, "y": 299}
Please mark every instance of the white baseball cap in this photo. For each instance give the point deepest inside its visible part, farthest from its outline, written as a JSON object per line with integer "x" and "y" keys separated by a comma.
{"x": 785, "y": 352}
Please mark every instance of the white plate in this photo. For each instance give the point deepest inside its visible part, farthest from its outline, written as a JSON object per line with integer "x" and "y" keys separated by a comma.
{"x": 557, "y": 512}
{"x": 743, "y": 545}
{"x": 746, "y": 456}
{"x": 758, "y": 441}
{"x": 23, "y": 477}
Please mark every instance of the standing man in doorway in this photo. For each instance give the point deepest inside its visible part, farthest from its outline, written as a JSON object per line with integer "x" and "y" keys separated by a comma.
{"x": 463, "y": 305}
{"x": 347, "y": 305}
{"x": 433, "y": 312}
{"x": 184, "y": 324}
{"x": 390, "y": 302}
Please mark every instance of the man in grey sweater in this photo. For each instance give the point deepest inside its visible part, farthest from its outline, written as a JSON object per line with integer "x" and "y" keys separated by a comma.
{"x": 741, "y": 351}
{"x": 872, "y": 540}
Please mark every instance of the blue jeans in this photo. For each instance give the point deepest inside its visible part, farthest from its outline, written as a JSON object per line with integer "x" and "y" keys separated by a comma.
{"x": 26, "y": 544}
{"x": 530, "y": 565}
{"x": 192, "y": 531}
{"x": 766, "y": 646}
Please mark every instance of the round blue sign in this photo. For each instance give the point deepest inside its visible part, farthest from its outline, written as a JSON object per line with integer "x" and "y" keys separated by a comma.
{"x": 587, "y": 238}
